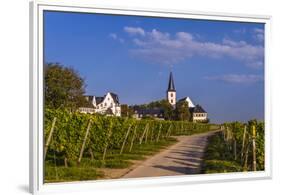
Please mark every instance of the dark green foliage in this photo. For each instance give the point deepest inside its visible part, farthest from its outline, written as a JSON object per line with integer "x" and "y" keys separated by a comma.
{"x": 182, "y": 112}
{"x": 161, "y": 104}
{"x": 221, "y": 166}
{"x": 220, "y": 152}
{"x": 126, "y": 111}
{"x": 64, "y": 88}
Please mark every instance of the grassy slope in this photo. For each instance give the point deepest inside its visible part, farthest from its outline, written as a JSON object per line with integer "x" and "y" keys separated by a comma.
{"x": 88, "y": 168}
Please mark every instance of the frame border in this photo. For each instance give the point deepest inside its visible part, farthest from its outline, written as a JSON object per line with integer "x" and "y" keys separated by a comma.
{"x": 36, "y": 184}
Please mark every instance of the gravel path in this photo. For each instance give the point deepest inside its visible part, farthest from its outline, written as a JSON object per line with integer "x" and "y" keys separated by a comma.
{"x": 183, "y": 158}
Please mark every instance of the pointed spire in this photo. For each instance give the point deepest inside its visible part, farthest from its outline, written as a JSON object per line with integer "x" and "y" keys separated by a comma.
{"x": 171, "y": 86}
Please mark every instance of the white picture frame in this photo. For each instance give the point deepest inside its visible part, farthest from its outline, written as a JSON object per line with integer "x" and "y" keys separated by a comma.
{"x": 36, "y": 97}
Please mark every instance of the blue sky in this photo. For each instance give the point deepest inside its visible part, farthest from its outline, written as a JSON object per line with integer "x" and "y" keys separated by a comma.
{"x": 219, "y": 65}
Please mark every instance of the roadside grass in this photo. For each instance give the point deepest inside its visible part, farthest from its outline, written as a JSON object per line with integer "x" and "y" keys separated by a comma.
{"x": 65, "y": 174}
{"x": 55, "y": 171}
{"x": 217, "y": 158}
{"x": 221, "y": 166}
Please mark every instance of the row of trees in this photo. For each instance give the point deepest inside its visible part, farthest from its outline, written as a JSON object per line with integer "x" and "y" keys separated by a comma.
{"x": 180, "y": 113}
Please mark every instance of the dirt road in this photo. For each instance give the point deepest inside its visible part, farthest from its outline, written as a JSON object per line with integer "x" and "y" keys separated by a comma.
{"x": 183, "y": 158}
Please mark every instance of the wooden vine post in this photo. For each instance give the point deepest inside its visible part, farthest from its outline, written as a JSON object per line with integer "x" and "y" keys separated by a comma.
{"x": 152, "y": 132}
{"x": 106, "y": 145}
{"x": 145, "y": 129}
{"x": 245, "y": 167}
{"x": 133, "y": 138}
{"x": 254, "y": 149}
{"x": 226, "y": 133}
{"x": 234, "y": 149}
{"x": 84, "y": 142}
{"x": 125, "y": 139}
{"x": 159, "y": 132}
{"x": 50, "y": 137}
{"x": 146, "y": 135}
{"x": 168, "y": 131}
{"x": 91, "y": 154}
{"x": 243, "y": 142}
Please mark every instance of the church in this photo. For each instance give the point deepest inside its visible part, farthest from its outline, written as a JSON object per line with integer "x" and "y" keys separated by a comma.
{"x": 197, "y": 112}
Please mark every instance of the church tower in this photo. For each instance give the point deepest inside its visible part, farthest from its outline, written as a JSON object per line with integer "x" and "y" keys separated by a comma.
{"x": 171, "y": 91}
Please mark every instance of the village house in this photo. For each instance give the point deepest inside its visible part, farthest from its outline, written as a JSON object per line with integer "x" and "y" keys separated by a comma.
{"x": 157, "y": 113}
{"x": 107, "y": 105}
{"x": 198, "y": 114}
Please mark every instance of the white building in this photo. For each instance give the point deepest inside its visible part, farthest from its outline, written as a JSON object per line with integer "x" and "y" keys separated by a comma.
{"x": 188, "y": 100}
{"x": 108, "y": 105}
{"x": 197, "y": 112}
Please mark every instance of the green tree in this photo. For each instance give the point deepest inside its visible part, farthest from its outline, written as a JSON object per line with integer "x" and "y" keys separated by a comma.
{"x": 64, "y": 88}
{"x": 182, "y": 111}
{"x": 161, "y": 104}
{"x": 168, "y": 109}
{"x": 126, "y": 111}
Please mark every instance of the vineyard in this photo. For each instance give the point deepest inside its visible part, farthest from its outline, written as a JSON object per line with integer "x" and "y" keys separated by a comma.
{"x": 77, "y": 144}
{"x": 238, "y": 147}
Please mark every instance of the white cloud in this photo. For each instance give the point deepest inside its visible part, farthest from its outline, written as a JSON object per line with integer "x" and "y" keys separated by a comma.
{"x": 259, "y": 30}
{"x": 240, "y": 31}
{"x": 234, "y": 43}
{"x": 115, "y": 37}
{"x": 259, "y": 34}
{"x": 160, "y": 47}
{"x": 134, "y": 30}
{"x": 237, "y": 78}
{"x": 256, "y": 65}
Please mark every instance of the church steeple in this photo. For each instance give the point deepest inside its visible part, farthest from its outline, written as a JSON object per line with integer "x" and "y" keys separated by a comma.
{"x": 171, "y": 85}
{"x": 171, "y": 91}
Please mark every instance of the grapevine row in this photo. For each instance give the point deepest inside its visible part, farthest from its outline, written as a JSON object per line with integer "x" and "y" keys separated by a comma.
{"x": 246, "y": 143}
{"x": 72, "y": 133}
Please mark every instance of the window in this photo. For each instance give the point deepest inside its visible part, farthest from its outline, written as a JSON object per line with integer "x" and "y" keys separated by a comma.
{"x": 172, "y": 101}
{"x": 105, "y": 104}
{"x": 171, "y": 94}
